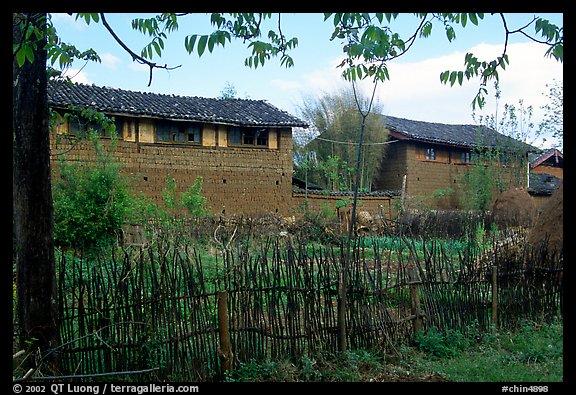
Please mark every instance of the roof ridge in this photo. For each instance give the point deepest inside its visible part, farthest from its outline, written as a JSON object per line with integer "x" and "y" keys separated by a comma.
{"x": 241, "y": 112}
{"x": 155, "y": 93}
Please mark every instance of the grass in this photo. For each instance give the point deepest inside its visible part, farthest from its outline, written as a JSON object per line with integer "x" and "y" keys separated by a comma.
{"x": 532, "y": 354}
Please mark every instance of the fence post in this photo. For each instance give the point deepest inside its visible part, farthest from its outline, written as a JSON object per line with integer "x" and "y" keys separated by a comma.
{"x": 342, "y": 311}
{"x": 225, "y": 349}
{"x": 494, "y": 317}
{"x": 415, "y": 301}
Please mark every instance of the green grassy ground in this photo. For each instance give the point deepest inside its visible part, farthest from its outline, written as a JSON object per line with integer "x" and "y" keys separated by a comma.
{"x": 532, "y": 354}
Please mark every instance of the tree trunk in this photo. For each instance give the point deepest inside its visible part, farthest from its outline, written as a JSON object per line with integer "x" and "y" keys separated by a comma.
{"x": 32, "y": 199}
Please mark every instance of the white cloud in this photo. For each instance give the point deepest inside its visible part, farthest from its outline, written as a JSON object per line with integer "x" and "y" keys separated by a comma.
{"x": 414, "y": 90}
{"x": 286, "y": 86}
{"x": 325, "y": 79}
{"x": 139, "y": 67}
{"x": 62, "y": 18}
{"x": 110, "y": 61}
{"x": 77, "y": 76}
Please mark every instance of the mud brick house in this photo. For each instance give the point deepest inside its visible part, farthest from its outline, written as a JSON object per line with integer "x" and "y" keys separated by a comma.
{"x": 433, "y": 157}
{"x": 546, "y": 173}
{"x": 241, "y": 148}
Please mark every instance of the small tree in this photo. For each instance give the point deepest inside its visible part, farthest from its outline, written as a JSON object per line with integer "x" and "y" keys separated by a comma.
{"x": 481, "y": 180}
{"x": 553, "y": 123}
{"x": 338, "y": 120}
{"x": 228, "y": 92}
{"x": 192, "y": 201}
{"x": 91, "y": 200}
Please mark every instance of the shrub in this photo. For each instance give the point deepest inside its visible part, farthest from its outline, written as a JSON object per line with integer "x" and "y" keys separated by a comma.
{"x": 90, "y": 204}
{"x": 441, "y": 345}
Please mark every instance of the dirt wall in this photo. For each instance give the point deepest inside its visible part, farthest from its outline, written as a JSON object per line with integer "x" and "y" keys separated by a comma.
{"x": 235, "y": 180}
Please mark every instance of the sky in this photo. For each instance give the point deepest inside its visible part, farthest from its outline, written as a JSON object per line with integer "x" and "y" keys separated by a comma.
{"x": 414, "y": 90}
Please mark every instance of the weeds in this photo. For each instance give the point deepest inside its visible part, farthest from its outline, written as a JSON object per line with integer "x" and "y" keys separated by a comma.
{"x": 532, "y": 354}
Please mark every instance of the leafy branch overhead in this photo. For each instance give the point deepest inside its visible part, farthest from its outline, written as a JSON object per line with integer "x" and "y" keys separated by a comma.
{"x": 551, "y": 35}
{"x": 369, "y": 41}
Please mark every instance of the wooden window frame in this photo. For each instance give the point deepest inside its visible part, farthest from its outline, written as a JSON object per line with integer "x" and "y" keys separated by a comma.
{"x": 78, "y": 128}
{"x": 465, "y": 157}
{"x": 248, "y": 137}
{"x": 178, "y": 132}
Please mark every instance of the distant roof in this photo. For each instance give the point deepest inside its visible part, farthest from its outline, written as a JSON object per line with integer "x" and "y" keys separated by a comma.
{"x": 537, "y": 159}
{"x": 240, "y": 112}
{"x": 469, "y": 136}
{"x": 543, "y": 184}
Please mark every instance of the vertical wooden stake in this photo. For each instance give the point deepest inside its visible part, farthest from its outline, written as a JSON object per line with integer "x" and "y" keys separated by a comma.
{"x": 225, "y": 350}
{"x": 415, "y": 301}
{"x": 342, "y": 312}
{"x": 494, "y": 318}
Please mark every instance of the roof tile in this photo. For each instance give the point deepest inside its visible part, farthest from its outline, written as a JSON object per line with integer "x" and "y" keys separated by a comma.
{"x": 241, "y": 112}
{"x": 459, "y": 135}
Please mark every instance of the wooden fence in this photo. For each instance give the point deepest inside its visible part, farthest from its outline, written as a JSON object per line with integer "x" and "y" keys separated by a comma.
{"x": 194, "y": 315}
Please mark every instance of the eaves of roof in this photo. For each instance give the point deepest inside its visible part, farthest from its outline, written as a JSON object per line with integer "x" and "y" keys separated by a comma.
{"x": 543, "y": 184}
{"x": 240, "y": 112}
{"x": 468, "y": 136}
{"x": 538, "y": 160}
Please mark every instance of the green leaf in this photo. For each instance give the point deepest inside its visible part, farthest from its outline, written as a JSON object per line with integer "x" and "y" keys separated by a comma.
{"x": 450, "y": 34}
{"x": 444, "y": 76}
{"x": 460, "y": 77}
{"x": 426, "y": 29}
{"x": 453, "y": 76}
{"x": 556, "y": 51}
{"x": 473, "y": 18}
{"x": 21, "y": 57}
{"x": 463, "y": 19}
{"x": 385, "y": 76}
{"x": 202, "y": 44}
{"x": 189, "y": 42}
{"x": 157, "y": 48}
{"x": 211, "y": 43}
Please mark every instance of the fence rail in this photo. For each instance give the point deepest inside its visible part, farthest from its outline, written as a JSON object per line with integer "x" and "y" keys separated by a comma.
{"x": 158, "y": 307}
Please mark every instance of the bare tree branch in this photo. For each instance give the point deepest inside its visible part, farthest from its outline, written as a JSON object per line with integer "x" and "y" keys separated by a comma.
{"x": 135, "y": 57}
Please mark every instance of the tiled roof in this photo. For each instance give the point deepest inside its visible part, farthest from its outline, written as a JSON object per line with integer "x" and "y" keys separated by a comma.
{"x": 543, "y": 184}
{"x": 537, "y": 159}
{"x": 458, "y": 135}
{"x": 241, "y": 112}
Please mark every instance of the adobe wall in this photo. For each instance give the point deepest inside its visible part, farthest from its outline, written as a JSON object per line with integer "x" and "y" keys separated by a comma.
{"x": 393, "y": 167}
{"x": 236, "y": 180}
{"x": 552, "y": 170}
{"x": 425, "y": 178}
{"x": 427, "y": 181}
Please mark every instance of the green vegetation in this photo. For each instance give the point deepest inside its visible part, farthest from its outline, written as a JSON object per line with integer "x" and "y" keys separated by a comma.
{"x": 532, "y": 354}
{"x": 91, "y": 203}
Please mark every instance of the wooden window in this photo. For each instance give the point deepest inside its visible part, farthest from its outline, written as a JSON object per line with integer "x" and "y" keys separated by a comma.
{"x": 465, "y": 157}
{"x": 78, "y": 127}
{"x": 433, "y": 153}
{"x": 251, "y": 137}
{"x": 178, "y": 132}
